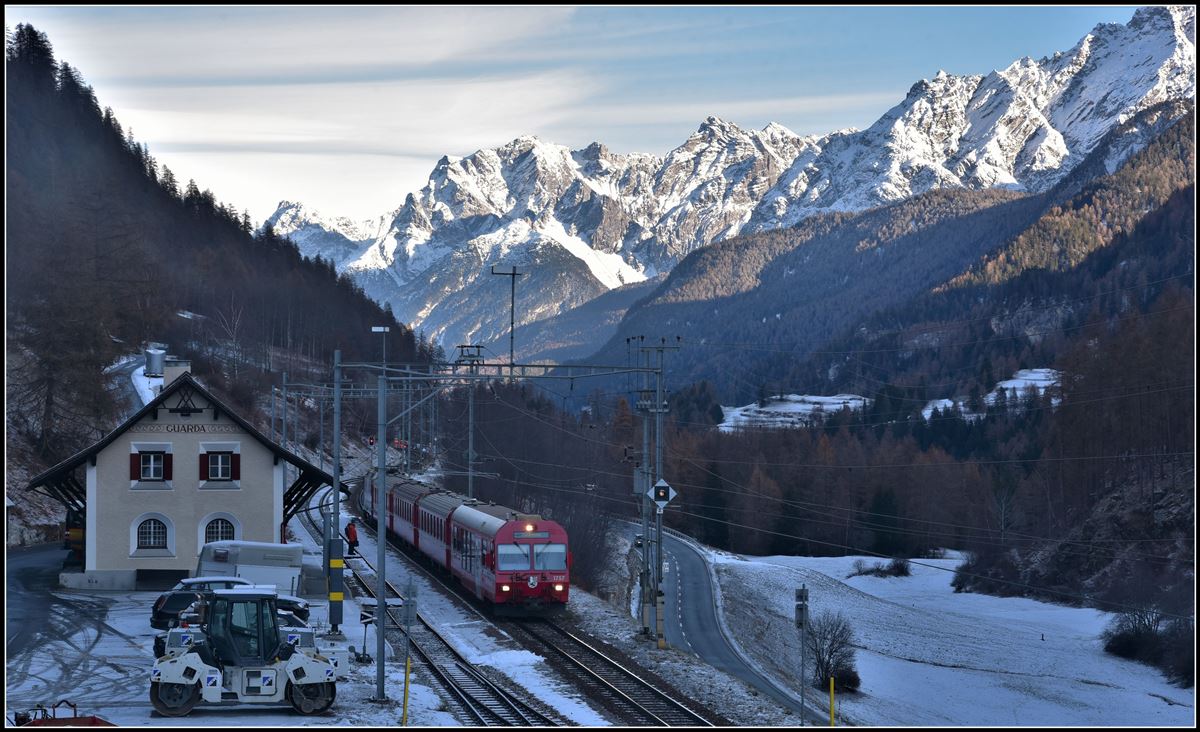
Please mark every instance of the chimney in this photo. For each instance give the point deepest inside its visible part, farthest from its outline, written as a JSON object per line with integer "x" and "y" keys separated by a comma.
{"x": 174, "y": 367}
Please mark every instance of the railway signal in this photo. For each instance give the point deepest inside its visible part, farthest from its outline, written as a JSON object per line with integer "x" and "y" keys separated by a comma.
{"x": 661, "y": 493}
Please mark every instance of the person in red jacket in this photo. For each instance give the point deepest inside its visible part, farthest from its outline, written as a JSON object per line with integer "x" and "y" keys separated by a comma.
{"x": 352, "y": 538}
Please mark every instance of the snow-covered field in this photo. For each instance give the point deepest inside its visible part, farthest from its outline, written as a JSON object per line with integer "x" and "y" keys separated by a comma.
{"x": 1014, "y": 388}
{"x": 930, "y": 656}
{"x": 792, "y": 410}
{"x": 799, "y": 410}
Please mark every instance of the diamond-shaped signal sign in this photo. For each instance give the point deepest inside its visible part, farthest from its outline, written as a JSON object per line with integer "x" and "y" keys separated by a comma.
{"x": 661, "y": 493}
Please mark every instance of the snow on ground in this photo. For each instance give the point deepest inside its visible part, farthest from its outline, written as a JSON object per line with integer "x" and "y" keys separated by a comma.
{"x": 793, "y": 410}
{"x": 938, "y": 404}
{"x": 128, "y": 358}
{"x": 118, "y": 690}
{"x": 930, "y": 656}
{"x": 725, "y": 694}
{"x": 926, "y": 655}
{"x": 147, "y": 386}
{"x": 1040, "y": 379}
{"x": 609, "y": 269}
{"x": 473, "y": 636}
{"x": 1015, "y": 388}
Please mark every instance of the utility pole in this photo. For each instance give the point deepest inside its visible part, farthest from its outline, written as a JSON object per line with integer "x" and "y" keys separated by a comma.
{"x": 380, "y": 541}
{"x": 283, "y": 426}
{"x": 334, "y": 510}
{"x": 659, "y": 408}
{"x": 802, "y": 624}
{"x": 410, "y": 612}
{"x": 471, "y": 356}
{"x": 512, "y": 309}
{"x": 407, "y": 425}
{"x": 661, "y": 494}
{"x": 643, "y": 406}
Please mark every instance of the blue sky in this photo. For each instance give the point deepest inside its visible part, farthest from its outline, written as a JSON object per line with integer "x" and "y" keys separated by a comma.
{"x": 347, "y": 109}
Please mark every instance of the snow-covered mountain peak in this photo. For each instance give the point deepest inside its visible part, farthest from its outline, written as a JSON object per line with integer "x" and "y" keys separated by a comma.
{"x": 776, "y": 130}
{"x": 715, "y": 129}
{"x": 291, "y": 216}
{"x": 1156, "y": 18}
{"x": 594, "y": 219}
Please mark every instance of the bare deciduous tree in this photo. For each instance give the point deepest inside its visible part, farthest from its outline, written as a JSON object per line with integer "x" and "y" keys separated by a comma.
{"x": 831, "y": 645}
{"x": 230, "y": 321}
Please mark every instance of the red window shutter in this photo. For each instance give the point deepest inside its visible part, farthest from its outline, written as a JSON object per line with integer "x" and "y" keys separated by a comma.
{"x": 167, "y": 466}
{"x": 235, "y": 466}
{"x": 135, "y": 466}
{"x": 204, "y": 466}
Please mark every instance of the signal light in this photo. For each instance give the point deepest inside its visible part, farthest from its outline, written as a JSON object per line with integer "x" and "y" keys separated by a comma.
{"x": 371, "y": 440}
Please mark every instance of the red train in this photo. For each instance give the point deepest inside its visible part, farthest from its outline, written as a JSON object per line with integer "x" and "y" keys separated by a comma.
{"x": 516, "y": 562}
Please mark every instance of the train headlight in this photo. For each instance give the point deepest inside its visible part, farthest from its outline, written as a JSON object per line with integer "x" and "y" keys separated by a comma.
{"x": 558, "y": 588}
{"x": 529, "y": 527}
{"x": 505, "y": 588}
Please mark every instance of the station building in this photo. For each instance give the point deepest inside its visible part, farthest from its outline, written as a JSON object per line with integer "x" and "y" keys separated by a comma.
{"x": 183, "y": 471}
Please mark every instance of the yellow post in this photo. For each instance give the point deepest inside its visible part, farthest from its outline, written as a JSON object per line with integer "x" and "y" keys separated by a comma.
{"x": 404, "y": 715}
{"x": 830, "y": 701}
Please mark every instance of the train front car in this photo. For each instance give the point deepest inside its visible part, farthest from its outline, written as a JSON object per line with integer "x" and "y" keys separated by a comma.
{"x": 521, "y": 564}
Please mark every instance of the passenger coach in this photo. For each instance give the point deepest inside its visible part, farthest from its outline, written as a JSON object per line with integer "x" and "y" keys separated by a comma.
{"x": 516, "y": 562}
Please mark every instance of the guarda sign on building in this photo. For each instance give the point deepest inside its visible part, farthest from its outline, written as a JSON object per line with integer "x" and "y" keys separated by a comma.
{"x": 206, "y": 428}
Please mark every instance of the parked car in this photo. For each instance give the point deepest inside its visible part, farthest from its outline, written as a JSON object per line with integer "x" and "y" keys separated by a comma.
{"x": 174, "y": 601}
{"x": 297, "y": 606}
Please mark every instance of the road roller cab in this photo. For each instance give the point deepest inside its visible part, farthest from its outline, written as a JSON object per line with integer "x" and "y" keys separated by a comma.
{"x": 230, "y": 648}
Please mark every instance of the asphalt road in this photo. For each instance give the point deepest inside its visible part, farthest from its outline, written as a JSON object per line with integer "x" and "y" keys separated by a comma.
{"x": 60, "y": 644}
{"x": 691, "y": 623}
{"x": 133, "y": 402}
{"x": 30, "y": 574}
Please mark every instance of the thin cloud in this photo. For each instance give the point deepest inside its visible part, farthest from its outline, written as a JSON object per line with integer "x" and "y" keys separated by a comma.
{"x": 772, "y": 108}
{"x": 152, "y": 44}
{"x": 432, "y": 117}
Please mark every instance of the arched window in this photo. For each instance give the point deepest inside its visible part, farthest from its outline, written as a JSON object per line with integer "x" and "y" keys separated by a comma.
{"x": 152, "y": 534}
{"x": 218, "y": 530}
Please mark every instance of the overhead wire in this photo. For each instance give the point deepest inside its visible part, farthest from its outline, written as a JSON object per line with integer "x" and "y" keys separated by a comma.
{"x": 809, "y": 505}
{"x": 866, "y": 552}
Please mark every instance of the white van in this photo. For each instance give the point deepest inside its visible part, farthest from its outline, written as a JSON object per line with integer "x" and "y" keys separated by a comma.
{"x": 259, "y": 562}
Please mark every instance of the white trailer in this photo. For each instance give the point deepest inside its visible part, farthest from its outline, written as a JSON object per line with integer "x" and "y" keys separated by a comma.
{"x": 260, "y": 562}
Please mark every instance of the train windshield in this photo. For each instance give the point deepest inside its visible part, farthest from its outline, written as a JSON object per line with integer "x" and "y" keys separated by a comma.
{"x": 511, "y": 557}
{"x": 550, "y": 556}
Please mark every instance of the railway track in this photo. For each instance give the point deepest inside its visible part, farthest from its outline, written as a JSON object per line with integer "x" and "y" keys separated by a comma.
{"x": 637, "y": 701}
{"x": 469, "y": 694}
{"x": 621, "y": 690}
